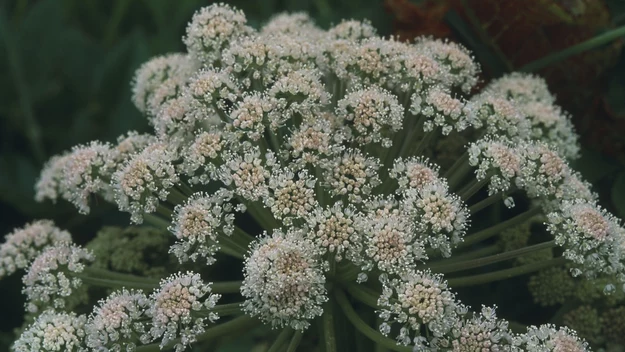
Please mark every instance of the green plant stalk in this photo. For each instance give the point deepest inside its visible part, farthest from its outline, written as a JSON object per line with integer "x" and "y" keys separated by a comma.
{"x": 295, "y": 340}
{"x": 458, "y": 171}
{"x": 329, "y": 331}
{"x": 365, "y": 329}
{"x": 280, "y": 340}
{"x": 472, "y": 188}
{"x": 156, "y": 221}
{"x": 226, "y": 309}
{"x": 478, "y": 253}
{"x": 241, "y": 323}
{"x": 364, "y": 295}
{"x": 226, "y": 286}
{"x": 504, "y": 274}
{"x": 176, "y": 197}
{"x": 497, "y": 229}
{"x": 110, "y": 283}
{"x": 475, "y": 208}
{"x": 100, "y": 273}
{"x": 476, "y": 263}
{"x": 561, "y": 55}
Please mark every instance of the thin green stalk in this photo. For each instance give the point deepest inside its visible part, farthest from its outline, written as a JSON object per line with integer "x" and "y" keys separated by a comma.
{"x": 241, "y": 323}
{"x": 231, "y": 252}
{"x": 226, "y": 286}
{"x": 226, "y": 309}
{"x": 241, "y": 237}
{"x": 476, "y": 263}
{"x": 472, "y": 188}
{"x": 156, "y": 221}
{"x": 280, "y": 340}
{"x": 473, "y": 209}
{"x": 458, "y": 170}
{"x": 348, "y": 273}
{"x": 115, "y": 283}
{"x": 329, "y": 331}
{"x": 504, "y": 274}
{"x": 113, "y": 275}
{"x": 176, "y": 196}
{"x": 478, "y": 253}
{"x": 364, "y": 295}
{"x": 295, "y": 340}
{"x": 365, "y": 329}
{"x": 230, "y": 247}
{"x": 561, "y": 55}
{"x": 497, "y": 229}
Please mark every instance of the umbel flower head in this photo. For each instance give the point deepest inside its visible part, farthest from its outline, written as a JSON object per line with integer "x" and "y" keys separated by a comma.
{"x": 24, "y": 244}
{"x": 175, "y": 306}
{"x": 321, "y": 160}
{"x": 53, "y": 331}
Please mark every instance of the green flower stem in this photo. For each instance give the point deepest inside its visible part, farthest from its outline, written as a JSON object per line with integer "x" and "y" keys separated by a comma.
{"x": 275, "y": 144}
{"x": 476, "y": 263}
{"x": 112, "y": 275}
{"x": 226, "y": 286}
{"x": 284, "y": 335}
{"x": 504, "y": 274}
{"x": 262, "y": 215}
{"x": 364, "y": 295}
{"x": 590, "y": 44}
{"x": 458, "y": 171}
{"x": 176, "y": 197}
{"x": 241, "y": 323}
{"x": 478, "y": 253}
{"x": 497, "y": 229}
{"x": 365, "y": 329}
{"x": 226, "y": 309}
{"x": 235, "y": 253}
{"x": 472, "y": 188}
{"x": 486, "y": 202}
{"x": 164, "y": 211}
{"x": 319, "y": 191}
{"x": 156, "y": 221}
{"x": 115, "y": 283}
{"x": 348, "y": 272}
{"x": 242, "y": 237}
{"x": 425, "y": 141}
{"x": 186, "y": 189}
{"x": 231, "y": 247}
{"x": 295, "y": 340}
{"x": 329, "y": 330}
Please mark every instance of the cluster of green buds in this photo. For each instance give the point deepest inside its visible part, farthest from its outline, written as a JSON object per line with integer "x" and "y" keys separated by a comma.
{"x": 318, "y": 159}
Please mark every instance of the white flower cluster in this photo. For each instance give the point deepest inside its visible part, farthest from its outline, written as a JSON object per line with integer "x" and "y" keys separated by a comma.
{"x": 24, "y": 244}
{"x": 284, "y": 280}
{"x": 321, "y": 138}
{"x": 53, "y": 331}
{"x": 198, "y": 223}
{"x": 418, "y": 299}
{"x": 172, "y": 309}
{"x": 49, "y": 279}
{"x": 117, "y": 321}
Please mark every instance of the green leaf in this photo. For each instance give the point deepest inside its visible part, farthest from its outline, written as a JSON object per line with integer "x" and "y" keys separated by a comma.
{"x": 618, "y": 195}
